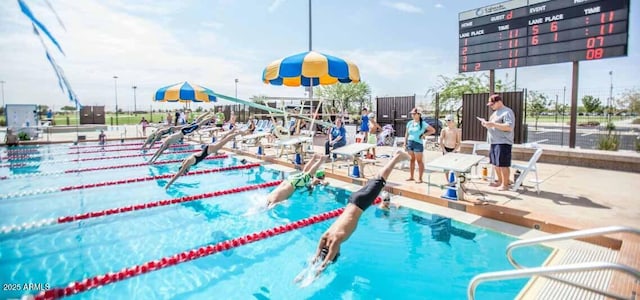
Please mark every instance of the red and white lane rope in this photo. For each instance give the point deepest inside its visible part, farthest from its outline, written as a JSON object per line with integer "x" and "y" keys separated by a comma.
{"x": 124, "y": 149}
{"x": 37, "y": 163}
{"x": 61, "y": 150}
{"x": 88, "y": 284}
{"x": 107, "y": 145}
{"x": 123, "y": 181}
{"x": 130, "y": 208}
{"x": 162, "y": 162}
{"x": 22, "y": 157}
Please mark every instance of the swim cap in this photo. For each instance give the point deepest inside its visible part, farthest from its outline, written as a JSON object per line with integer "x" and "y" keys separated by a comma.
{"x": 320, "y": 174}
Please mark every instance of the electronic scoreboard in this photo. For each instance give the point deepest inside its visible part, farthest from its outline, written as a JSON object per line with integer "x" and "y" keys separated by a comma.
{"x": 522, "y": 33}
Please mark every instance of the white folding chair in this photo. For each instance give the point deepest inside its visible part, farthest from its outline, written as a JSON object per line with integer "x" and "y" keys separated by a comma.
{"x": 396, "y": 145}
{"x": 530, "y": 166}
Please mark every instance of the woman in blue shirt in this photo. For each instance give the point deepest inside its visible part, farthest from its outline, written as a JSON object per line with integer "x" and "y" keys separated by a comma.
{"x": 416, "y": 128}
{"x": 337, "y": 137}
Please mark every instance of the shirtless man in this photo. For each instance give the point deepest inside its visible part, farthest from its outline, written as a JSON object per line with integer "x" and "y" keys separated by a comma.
{"x": 374, "y": 128}
{"x": 196, "y": 158}
{"x": 450, "y": 139}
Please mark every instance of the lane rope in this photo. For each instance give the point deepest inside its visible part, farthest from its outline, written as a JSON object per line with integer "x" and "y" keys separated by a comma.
{"x": 125, "y": 149}
{"x": 23, "y": 157}
{"x": 90, "y": 283}
{"x": 122, "y": 181}
{"x": 162, "y": 162}
{"x": 58, "y": 150}
{"x": 37, "y": 163}
{"x": 136, "y": 207}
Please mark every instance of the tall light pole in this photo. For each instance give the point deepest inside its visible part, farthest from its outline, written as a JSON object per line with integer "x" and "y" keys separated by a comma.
{"x": 115, "y": 87}
{"x": 610, "y": 102}
{"x": 134, "y": 99}
{"x": 2, "y": 84}
{"x": 236, "y": 88}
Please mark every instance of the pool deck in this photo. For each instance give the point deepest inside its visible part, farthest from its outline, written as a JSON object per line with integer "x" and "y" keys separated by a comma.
{"x": 571, "y": 197}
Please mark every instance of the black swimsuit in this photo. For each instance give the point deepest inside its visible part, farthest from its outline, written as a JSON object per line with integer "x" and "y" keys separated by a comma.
{"x": 202, "y": 155}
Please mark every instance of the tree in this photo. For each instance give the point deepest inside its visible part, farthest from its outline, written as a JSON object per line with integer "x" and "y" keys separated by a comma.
{"x": 451, "y": 89}
{"x": 345, "y": 97}
{"x": 68, "y": 108}
{"x": 591, "y": 104}
{"x": 630, "y": 101}
{"x": 537, "y": 104}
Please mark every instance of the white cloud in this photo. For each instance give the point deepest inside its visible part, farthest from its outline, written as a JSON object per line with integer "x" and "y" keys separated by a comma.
{"x": 212, "y": 25}
{"x": 439, "y": 5}
{"x": 274, "y": 5}
{"x": 140, "y": 51}
{"x": 403, "y": 6}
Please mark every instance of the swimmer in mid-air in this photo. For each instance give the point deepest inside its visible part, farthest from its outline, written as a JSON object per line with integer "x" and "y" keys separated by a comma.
{"x": 296, "y": 181}
{"x": 176, "y": 137}
{"x": 207, "y": 150}
{"x": 329, "y": 246}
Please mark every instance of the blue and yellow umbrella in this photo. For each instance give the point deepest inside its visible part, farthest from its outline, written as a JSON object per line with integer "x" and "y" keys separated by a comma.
{"x": 310, "y": 69}
{"x": 185, "y": 92}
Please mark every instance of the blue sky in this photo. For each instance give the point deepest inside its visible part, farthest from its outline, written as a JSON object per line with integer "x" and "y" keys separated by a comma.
{"x": 400, "y": 46}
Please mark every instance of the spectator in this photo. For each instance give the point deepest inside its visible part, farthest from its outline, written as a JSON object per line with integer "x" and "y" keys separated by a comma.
{"x": 500, "y": 137}
{"x": 416, "y": 129}
{"x": 219, "y": 117}
{"x": 169, "y": 119}
{"x": 144, "y": 124}
{"x": 337, "y": 137}
{"x": 102, "y": 138}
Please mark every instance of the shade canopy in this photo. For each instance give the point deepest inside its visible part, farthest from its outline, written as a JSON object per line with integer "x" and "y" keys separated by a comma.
{"x": 310, "y": 69}
{"x": 185, "y": 92}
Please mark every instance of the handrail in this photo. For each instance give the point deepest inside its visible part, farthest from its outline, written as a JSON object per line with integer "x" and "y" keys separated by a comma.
{"x": 572, "y": 268}
{"x": 566, "y": 236}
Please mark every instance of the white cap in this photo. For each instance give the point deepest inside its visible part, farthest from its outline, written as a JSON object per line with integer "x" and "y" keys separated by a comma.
{"x": 448, "y": 118}
{"x": 372, "y": 116}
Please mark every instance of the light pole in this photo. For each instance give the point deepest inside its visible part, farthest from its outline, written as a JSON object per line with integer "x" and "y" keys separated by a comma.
{"x": 610, "y": 102}
{"x": 236, "y": 88}
{"x": 115, "y": 87}
{"x": 2, "y": 84}
{"x": 134, "y": 99}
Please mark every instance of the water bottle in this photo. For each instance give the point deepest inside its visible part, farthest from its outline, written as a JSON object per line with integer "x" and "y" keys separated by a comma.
{"x": 485, "y": 173}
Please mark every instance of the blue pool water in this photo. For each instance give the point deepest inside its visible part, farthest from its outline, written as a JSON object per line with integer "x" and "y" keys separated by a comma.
{"x": 401, "y": 255}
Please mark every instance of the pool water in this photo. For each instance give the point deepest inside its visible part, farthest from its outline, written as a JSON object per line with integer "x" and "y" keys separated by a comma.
{"x": 403, "y": 254}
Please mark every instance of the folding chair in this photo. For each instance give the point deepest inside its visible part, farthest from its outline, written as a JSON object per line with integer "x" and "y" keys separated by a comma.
{"x": 396, "y": 142}
{"x": 526, "y": 168}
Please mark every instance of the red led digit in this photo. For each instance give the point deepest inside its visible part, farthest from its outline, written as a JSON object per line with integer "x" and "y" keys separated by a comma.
{"x": 464, "y": 50}
{"x": 534, "y": 40}
{"x": 554, "y": 26}
{"x": 555, "y": 37}
{"x": 477, "y": 67}
{"x": 535, "y": 29}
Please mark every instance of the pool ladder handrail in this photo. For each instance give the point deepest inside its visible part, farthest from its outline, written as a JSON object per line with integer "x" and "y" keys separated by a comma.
{"x": 570, "y": 268}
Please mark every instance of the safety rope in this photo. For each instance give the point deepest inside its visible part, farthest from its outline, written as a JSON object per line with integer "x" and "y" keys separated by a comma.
{"x": 136, "y": 207}
{"x": 87, "y": 284}
{"x": 162, "y": 162}
{"x": 123, "y": 181}
{"x": 37, "y": 163}
{"x": 125, "y": 149}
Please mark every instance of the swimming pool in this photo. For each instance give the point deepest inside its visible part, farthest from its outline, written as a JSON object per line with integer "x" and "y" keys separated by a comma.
{"x": 404, "y": 254}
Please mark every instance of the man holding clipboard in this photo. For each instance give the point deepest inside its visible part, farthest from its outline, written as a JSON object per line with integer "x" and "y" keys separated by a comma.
{"x": 500, "y": 136}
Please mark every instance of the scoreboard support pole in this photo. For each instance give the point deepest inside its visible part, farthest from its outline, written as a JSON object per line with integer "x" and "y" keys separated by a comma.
{"x": 574, "y": 105}
{"x": 492, "y": 81}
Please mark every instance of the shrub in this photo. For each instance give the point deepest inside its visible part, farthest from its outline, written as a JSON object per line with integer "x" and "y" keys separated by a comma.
{"x": 590, "y": 123}
{"x": 609, "y": 142}
{"x": 23, "y": 136}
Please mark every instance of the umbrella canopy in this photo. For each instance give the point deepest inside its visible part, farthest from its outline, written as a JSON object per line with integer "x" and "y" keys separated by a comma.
{"x": 310, "y": 69}
{"x": 185, "y": 92}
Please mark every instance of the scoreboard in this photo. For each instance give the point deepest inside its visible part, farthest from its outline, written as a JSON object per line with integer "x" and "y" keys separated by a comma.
{"x": 522, "y": 33}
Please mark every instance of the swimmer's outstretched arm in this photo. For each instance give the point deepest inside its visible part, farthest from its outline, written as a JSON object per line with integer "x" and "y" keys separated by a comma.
{"x": 339, "y": 232}
{"x": 186, "y": 164}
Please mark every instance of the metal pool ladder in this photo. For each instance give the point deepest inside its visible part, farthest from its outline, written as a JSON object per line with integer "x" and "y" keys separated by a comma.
{"x": 547, "y": 271}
